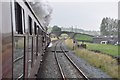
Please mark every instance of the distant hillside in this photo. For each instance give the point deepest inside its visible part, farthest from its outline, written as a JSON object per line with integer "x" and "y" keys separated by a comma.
{"x": 82, "y": 31}
{"x": 78, "y": 30}
{"x": 83, "y": 37}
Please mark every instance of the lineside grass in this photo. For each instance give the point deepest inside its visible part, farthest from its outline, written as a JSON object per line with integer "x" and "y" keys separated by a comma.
{"x": 64, "y": 35}
{"x": 106, "y": 48}
{"x": 53, "y": 38}
{"x": 71, "y": 35}
{"x": 83, "y": 37}
{"x": 102, "y": 61}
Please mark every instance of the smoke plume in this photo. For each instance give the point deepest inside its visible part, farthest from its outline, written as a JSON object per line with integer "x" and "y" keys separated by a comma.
{"x": 43, "y": 10}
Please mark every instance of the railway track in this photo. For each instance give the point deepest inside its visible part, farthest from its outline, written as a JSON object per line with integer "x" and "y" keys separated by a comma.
{"x": 77, "y": 73}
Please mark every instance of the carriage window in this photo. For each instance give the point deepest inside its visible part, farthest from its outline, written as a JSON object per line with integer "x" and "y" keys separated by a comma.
{"x": 35, "y": 27}
{"x": 23, "y": 20}
{"x": 18, "y": 57}
{"x": 37, "y": 46}
{"x": 30, "y": 54}
{"x": 18, "y": 18}
{"x": 40, "y": 31}
{"x": 34, "y": 49}
{"x": 30, "y": 25}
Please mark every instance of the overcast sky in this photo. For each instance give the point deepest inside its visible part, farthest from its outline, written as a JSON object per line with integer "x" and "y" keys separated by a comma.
{"x": 84, "y": 15}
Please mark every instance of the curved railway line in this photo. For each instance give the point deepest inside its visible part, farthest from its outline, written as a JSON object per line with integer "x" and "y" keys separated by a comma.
{"x": 75, "y": 68}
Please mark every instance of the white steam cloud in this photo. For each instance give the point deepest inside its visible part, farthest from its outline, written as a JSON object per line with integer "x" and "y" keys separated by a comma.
{"x": 43, "y": 10}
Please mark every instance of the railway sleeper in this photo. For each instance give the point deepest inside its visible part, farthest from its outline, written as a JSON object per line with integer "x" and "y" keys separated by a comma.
{"x": 59, "y": 51}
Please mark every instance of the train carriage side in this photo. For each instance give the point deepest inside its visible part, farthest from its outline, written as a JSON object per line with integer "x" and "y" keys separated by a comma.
{"x": 22, "y": 39}
{"x": 6, "y": 38}
{"x": 33, "y": 37}
{"x": 1, "y": 41}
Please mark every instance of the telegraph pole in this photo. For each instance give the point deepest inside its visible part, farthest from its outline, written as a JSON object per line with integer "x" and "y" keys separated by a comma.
{"x": 72, "y": 28}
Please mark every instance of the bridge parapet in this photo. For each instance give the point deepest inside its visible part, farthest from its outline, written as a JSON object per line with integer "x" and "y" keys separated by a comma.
{"x": 58, "y": 33}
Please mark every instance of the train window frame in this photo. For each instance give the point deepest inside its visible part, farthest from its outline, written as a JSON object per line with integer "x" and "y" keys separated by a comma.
{"x": 35, "y": 28}
{"x": 30, "y": 25}
{"x": 34, "y": 49}
{"x": 23, "y": 20}
{"x": 24, "y": 55}
{"x": 40, "y": 31}
{"x": 31, "y": 54}
{"x": 18, "y": 18}
{"x": 37, "y": 46}
{"x": 37, "y": 37}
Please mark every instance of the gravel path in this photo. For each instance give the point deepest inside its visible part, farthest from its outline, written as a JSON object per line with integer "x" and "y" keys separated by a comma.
{"x": 49, "y": 68}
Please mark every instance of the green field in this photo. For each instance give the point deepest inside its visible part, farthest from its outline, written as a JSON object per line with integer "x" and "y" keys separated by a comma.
{"x": 64, "y": 35}
{"x": 71, "y": 35}
{"x": 49, "y": 30}
{"x": 106, "y": 48}
{"x": 83, "y": 37}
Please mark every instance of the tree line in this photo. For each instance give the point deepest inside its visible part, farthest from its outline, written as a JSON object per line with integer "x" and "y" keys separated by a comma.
{"x": 56, "y": 28}
{"x": 109, "y": 26}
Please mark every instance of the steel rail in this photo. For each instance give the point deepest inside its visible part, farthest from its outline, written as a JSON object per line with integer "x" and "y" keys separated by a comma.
{"x": 73, "y": 63}
{"x": 60, "y": 68}
{"x": 17, "y": 59}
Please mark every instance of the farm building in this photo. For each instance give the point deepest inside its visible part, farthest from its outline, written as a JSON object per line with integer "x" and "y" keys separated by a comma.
{"x": 106, "y": 40}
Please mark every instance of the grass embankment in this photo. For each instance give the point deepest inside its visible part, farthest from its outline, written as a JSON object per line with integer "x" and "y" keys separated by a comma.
{"x": 102, "y": 61}
{"x": 64, "y": 35}
{"x": 54, "y": 38}
{"x": 83, "y": 37}
{"x": 106, "y": 48}
{"x": 49, "y": 30}
{"x": 71, "y": 35}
